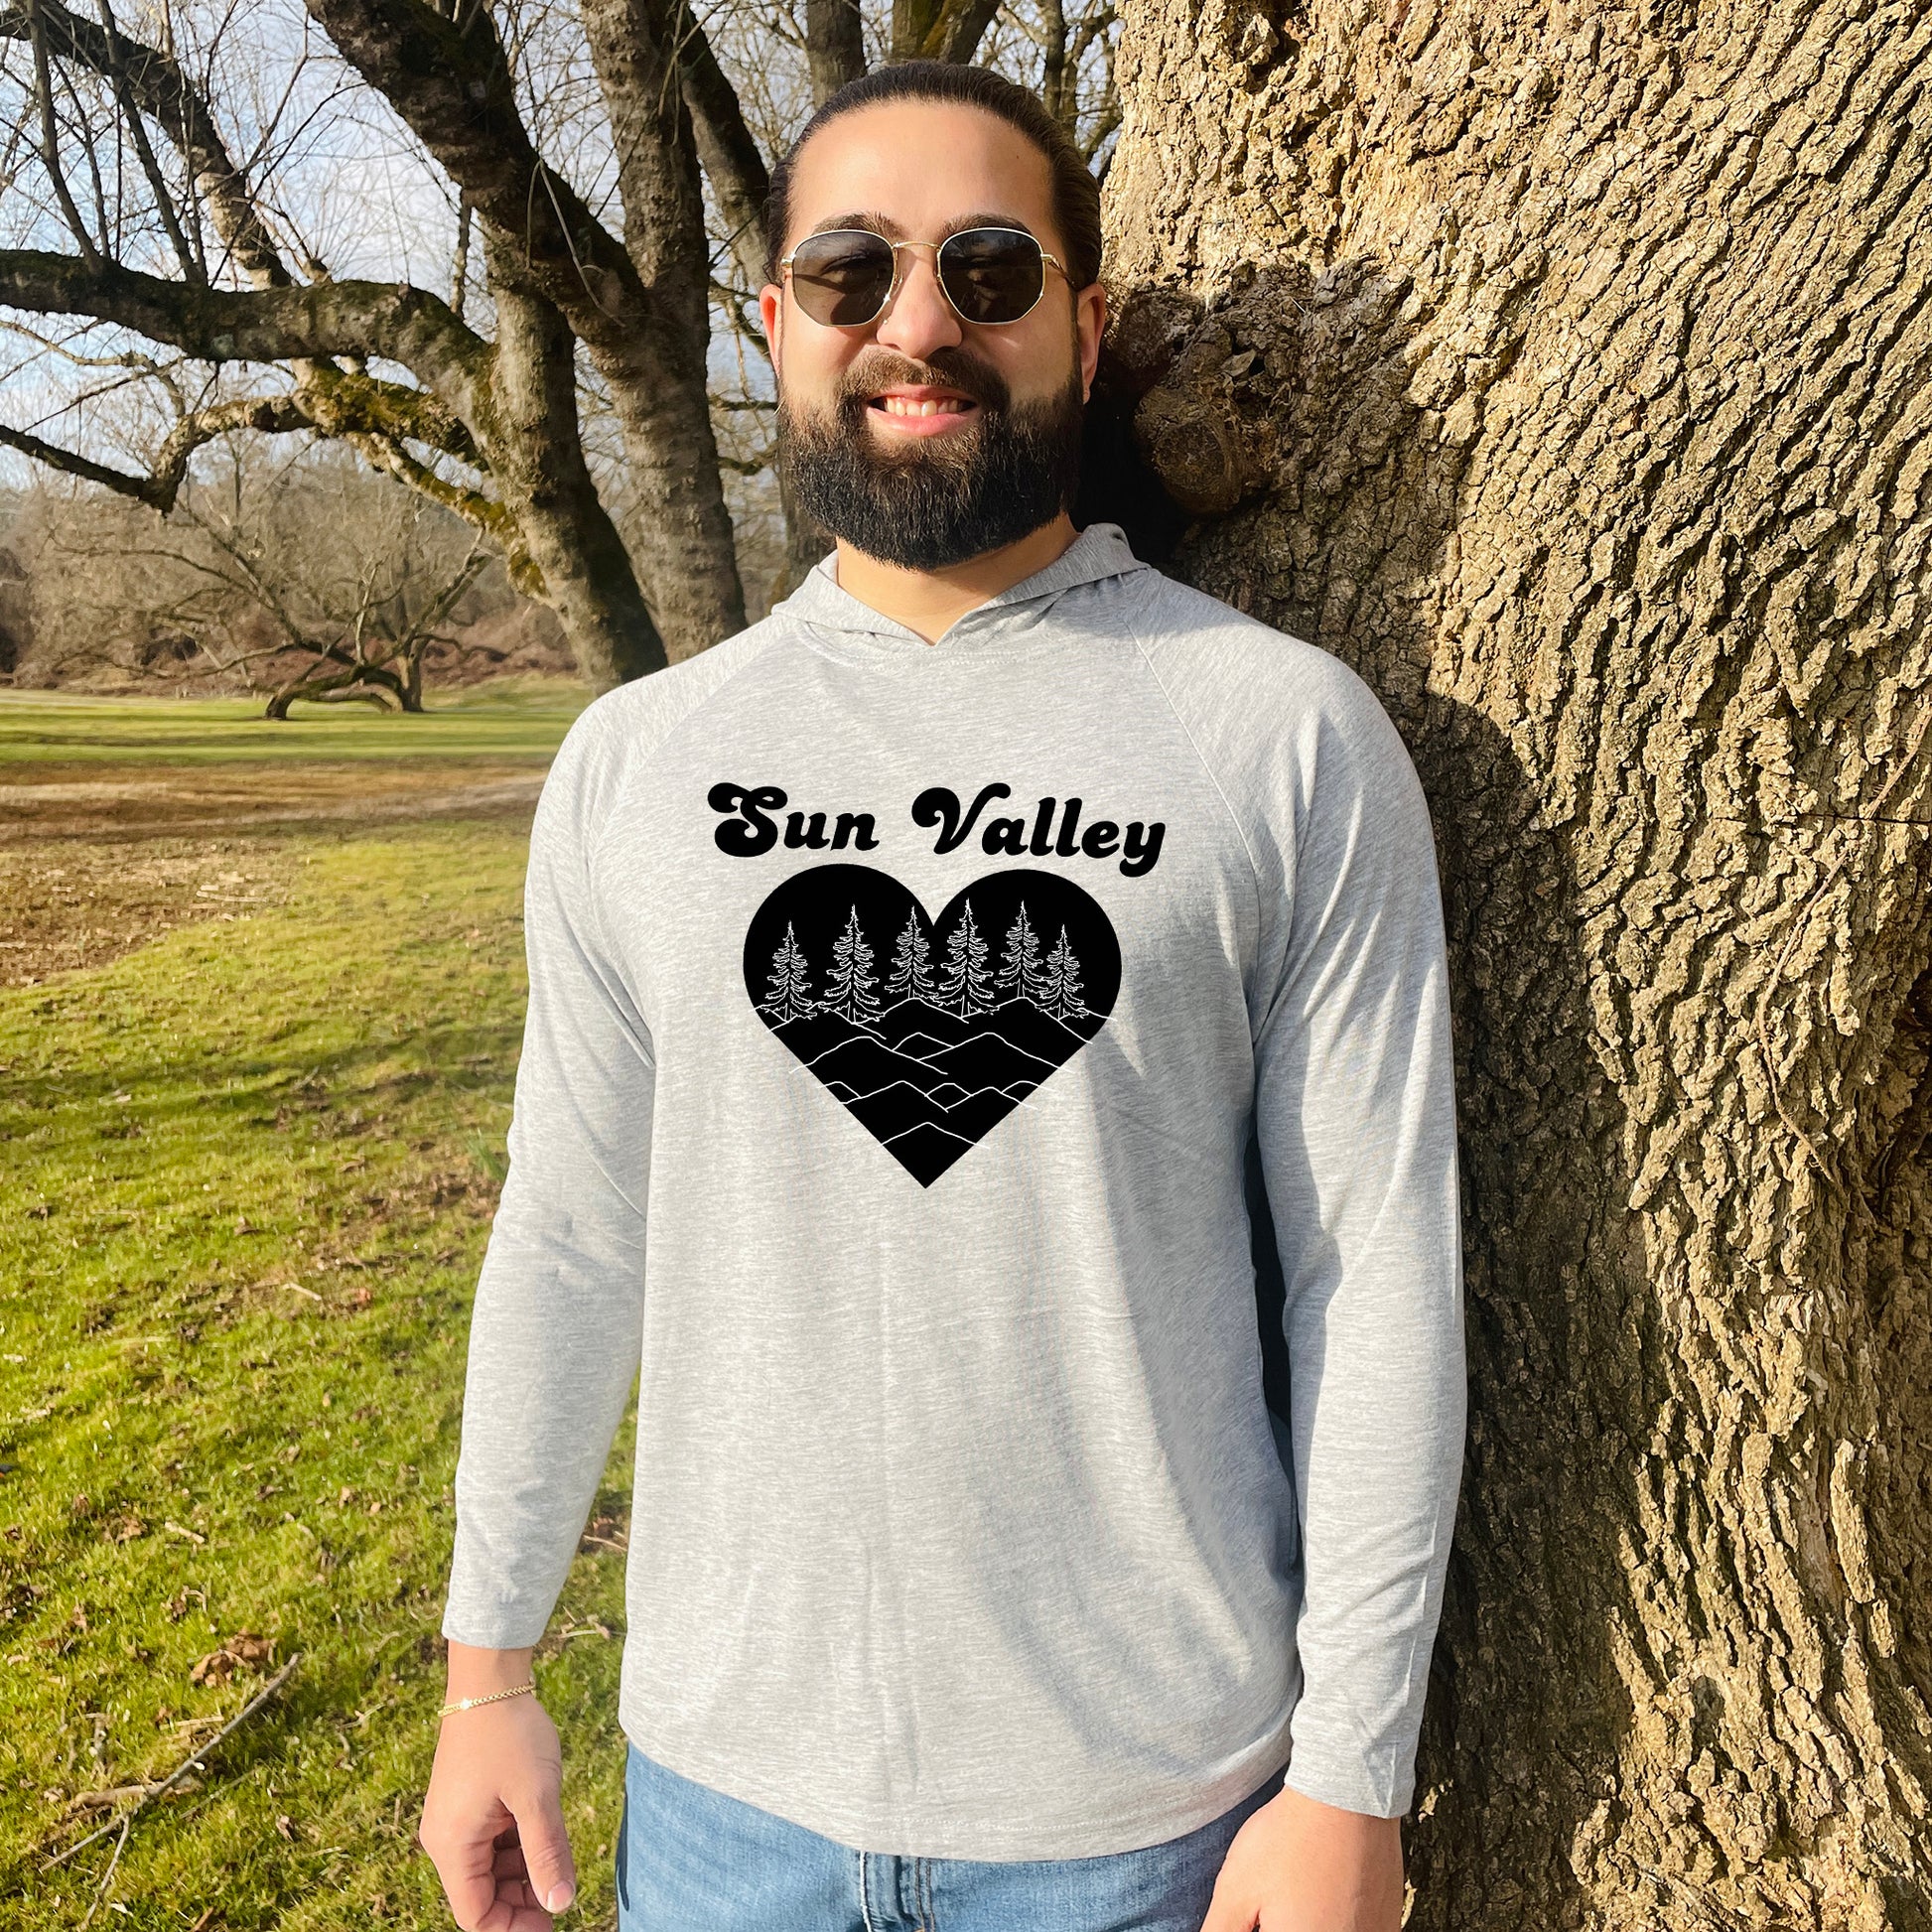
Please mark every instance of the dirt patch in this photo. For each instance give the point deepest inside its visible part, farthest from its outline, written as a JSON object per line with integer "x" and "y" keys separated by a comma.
{"x": 74, "y": 801}
{"x": 70, "y": 903}
{"x": 99, "y": 859}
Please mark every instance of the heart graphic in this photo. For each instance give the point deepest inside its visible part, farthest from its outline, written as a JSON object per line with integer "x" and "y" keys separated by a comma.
{"x": 931, "y": 1031}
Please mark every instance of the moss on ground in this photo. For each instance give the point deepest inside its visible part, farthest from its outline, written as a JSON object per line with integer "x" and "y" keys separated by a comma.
{"x": 245, "y": 1179}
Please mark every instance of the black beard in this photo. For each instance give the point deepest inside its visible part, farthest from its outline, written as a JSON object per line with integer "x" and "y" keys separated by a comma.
{"x": 941, "y": 499}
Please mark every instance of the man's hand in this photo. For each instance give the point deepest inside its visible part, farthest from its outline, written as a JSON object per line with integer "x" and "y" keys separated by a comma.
{"x": 493, "y": 1819}
{"x": 1300, "y": 1865}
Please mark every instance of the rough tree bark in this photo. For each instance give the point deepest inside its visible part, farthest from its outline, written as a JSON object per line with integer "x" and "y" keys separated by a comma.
{"x": 1565, "y": 369}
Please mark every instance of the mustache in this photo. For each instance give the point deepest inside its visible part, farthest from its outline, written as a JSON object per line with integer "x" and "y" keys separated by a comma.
{"x": 947, "y": 369}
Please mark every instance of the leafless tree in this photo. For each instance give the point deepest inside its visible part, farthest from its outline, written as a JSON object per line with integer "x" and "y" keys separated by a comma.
{"x": 302, "y": 576}
{"x": 584, "y": 385}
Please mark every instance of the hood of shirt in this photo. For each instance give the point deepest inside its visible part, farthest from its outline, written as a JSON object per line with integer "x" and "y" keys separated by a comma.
{"x": 1096, "y": 566}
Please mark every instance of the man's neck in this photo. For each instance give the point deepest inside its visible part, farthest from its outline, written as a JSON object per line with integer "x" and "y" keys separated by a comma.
{"x": 931, "y": 601}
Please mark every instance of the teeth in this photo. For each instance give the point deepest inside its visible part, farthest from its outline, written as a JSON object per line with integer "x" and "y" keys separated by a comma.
{"x": 901, "y": 406}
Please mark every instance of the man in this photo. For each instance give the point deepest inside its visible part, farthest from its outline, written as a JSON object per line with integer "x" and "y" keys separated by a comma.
{"x": 908, "y": 975}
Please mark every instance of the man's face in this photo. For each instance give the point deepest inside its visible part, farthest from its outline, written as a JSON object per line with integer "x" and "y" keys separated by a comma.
{"x": 862, "y": 449}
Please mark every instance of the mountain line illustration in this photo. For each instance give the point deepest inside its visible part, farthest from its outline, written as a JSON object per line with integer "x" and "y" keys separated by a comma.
{"x": 931, "y": 1030}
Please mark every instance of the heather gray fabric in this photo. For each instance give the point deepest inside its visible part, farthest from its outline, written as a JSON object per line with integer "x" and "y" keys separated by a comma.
{"x": 958, "y": 1527}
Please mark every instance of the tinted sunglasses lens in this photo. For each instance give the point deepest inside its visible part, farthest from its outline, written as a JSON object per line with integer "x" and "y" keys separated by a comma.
{"x": 991, "y": 274}
{"x": 840, "y": 278}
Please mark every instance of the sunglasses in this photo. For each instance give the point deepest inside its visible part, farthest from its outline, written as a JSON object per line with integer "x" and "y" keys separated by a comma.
{"x": 845, "y": 277}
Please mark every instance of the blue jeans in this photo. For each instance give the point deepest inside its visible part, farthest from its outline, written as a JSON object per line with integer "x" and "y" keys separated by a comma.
{"x": 692, "y": 1860}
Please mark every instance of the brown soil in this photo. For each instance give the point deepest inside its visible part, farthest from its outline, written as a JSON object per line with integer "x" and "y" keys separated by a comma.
{"x": 79, "y": 800}
{"x": 99, "y": 859}
{"x": 70, "y": 903}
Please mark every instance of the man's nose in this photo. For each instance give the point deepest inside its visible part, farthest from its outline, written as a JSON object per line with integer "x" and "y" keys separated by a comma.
{"x": 920, "y": 318}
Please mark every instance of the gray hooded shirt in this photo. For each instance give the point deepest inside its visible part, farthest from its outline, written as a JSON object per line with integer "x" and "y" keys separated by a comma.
{"x": 899, "y": 1015}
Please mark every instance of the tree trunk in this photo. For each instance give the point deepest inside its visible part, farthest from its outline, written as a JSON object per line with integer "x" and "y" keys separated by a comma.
{"x": 683, "y": 535}
{"x": 834, "y": 45}
{"x": 451, "y": 81}
{"x": 537, "y": 455}
{"x": 1565, "y": 370}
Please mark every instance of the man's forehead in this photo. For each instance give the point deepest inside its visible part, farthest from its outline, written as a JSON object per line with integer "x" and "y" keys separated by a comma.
{"x": 918, "y": 171}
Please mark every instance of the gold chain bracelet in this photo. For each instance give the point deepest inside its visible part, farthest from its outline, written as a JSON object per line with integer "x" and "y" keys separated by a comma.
{"x": 465, "y": 1704}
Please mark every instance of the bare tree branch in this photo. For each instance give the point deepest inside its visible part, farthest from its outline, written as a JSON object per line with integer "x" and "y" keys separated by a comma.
{"x": 387, "y": 320}
{"x": 1057, "y": 72}
{"x": 125, "y": 358}
{"x": 351, "y": 402}
{"x": 83, "y": 138}
{"x": 736, "y": 170}
{"x": 193, "y": 267}
{"x": 483, "y": 513}
{"x": 460, "y": 265}
{"x": 50, "y": 133}
{"x": 940, "y": 30}
{"x": 451, "y": 82}
{"x": 272, "y": 416}
{"x": 146, "y": 490}
{"x": 962, "y": 27}
{"x": 835, "y": 46}
{"x": 156, "y": 85}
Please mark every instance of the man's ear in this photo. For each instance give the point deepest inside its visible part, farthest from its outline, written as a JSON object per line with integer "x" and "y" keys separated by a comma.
{"x": 771, "y": 314}
{"x": 1090, "y": 319}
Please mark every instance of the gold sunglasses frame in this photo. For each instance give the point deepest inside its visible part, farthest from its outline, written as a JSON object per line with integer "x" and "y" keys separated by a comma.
{"x": 1047, "y": 258}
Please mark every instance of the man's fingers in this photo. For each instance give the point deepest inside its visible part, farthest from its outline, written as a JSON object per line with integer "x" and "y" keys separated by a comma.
{"x": 1230, "y": 1909}
{"x": 546, "y": 1849}
{"x": 466, "y": 1866}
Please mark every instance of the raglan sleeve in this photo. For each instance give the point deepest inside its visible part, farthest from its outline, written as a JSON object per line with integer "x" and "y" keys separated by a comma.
{"x": 557, "y": 1326}
{"x": 1356, "y": 1119}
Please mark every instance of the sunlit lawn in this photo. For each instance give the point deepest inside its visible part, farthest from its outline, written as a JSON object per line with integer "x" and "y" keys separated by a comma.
{"x": 507, "y": 719}
{"x": 245, "y": 1179}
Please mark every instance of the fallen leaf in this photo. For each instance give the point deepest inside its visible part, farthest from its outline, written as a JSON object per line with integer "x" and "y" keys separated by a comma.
{"x": 243, "y": 1651}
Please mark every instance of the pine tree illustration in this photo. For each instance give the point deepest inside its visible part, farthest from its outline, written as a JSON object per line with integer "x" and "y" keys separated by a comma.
{"x": 789, "y": 982}
{"x": 1019, "y": 967}
{"x": 965, "y": 968}
{"x": 912, "y": 974}
{"x": 849, "y": 990}
{"x": 1064, "y": 996}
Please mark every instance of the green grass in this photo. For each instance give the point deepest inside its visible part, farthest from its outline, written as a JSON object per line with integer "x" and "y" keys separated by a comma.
{"x": 508, "y": 720}
{"x": 308, "y": 1098}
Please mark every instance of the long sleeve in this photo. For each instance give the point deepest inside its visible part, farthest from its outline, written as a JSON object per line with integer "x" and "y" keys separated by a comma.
{"x": 556, "y": 1332}
{"x": 1356, "y": 1124}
